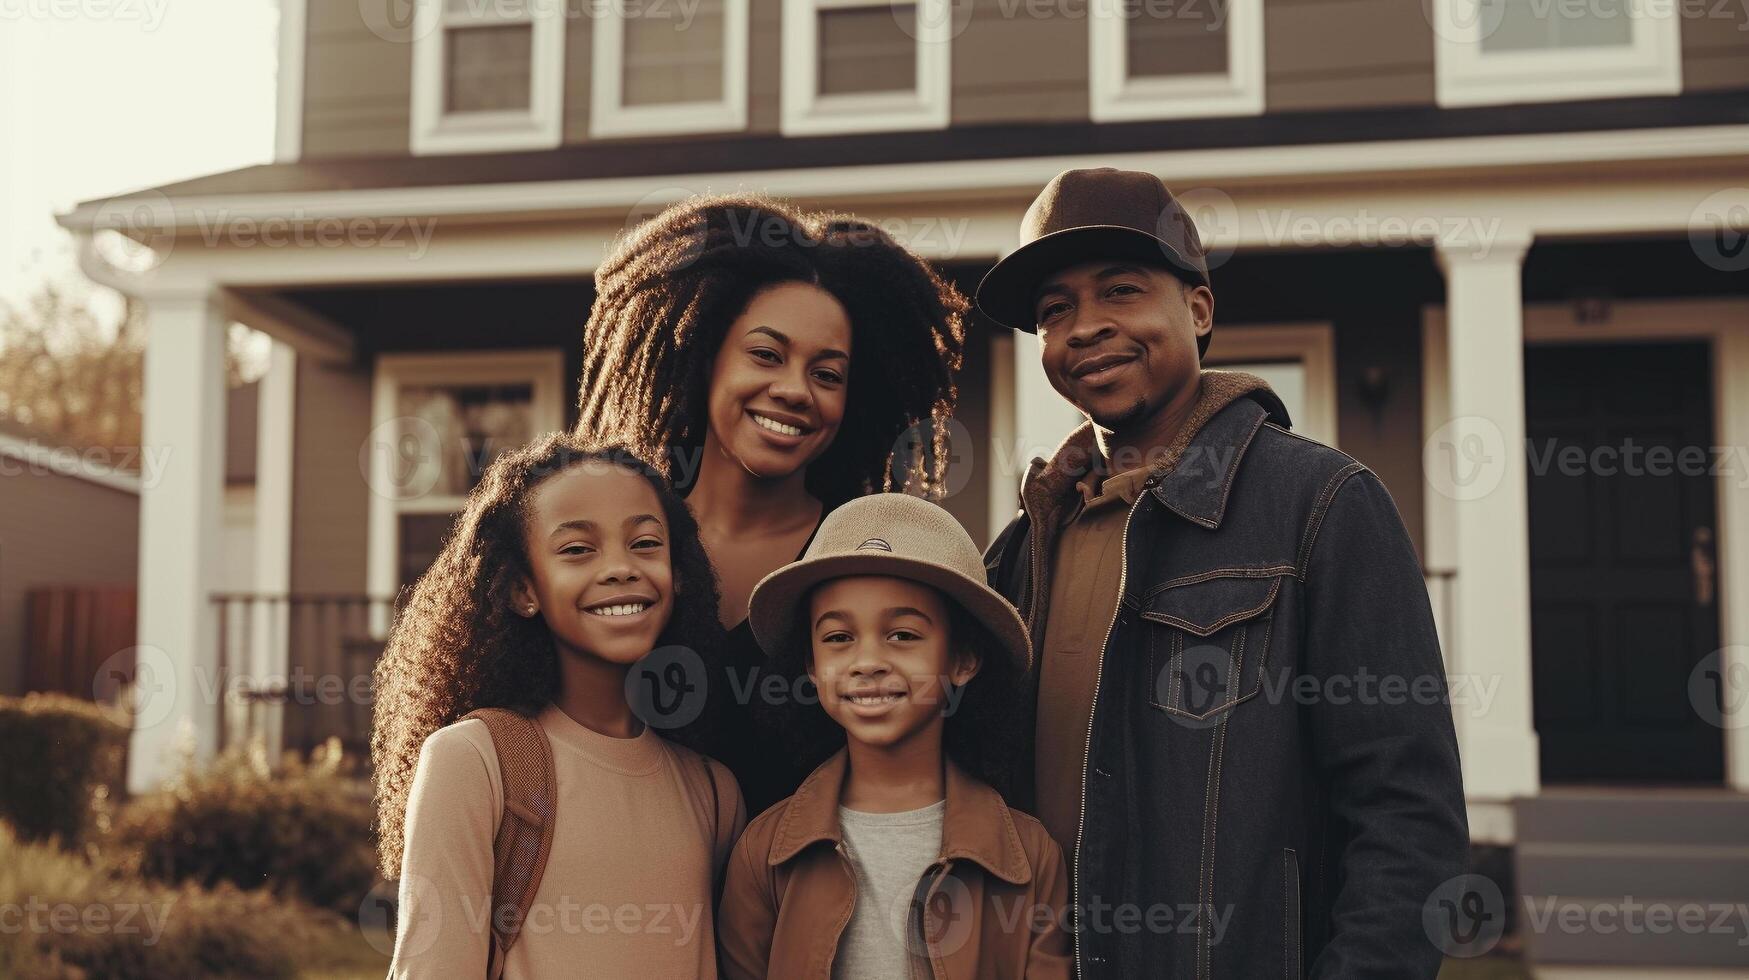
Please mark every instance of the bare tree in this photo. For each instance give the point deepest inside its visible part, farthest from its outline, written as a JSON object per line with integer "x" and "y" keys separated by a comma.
{"x": 69, "y": 376}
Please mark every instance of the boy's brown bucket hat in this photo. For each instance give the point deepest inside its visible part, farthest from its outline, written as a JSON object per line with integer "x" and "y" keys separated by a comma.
{"x": 891, "y": 534}
{"x": 1083, "y": 215}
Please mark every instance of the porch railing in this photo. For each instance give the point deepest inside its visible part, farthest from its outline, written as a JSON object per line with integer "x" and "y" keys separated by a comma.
{"x": 296, "y": 670}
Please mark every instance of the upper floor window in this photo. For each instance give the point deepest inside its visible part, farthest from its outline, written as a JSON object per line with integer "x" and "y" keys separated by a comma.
{"x": 1500, "y": 51}
{"x": 862, "y": 65}
{"x": 670, "y": 68}
{"x": 1166, "y": 59}
{"x": 488, "y": 75}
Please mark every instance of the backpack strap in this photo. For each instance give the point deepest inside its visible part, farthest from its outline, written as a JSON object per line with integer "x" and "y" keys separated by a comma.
{"x": 725, "y": 805}
{"x": 525, "y": 832}
{"x": 703, "y": 777}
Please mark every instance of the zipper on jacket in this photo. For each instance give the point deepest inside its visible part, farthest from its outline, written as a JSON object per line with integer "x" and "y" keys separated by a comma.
{"x": 1031, "y": 596}
{"x": 1123, "y": 571}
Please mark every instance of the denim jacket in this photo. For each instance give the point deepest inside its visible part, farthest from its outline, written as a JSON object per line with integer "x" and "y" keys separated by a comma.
{"x": 1271, "y": 784}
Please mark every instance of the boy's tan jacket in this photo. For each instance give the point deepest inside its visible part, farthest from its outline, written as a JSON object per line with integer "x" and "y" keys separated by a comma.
{"x": 994, "y": 904}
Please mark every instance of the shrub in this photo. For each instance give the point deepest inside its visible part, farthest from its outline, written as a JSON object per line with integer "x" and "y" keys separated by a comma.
{"x": 303, "y": 832}
{"x": 74, "y": 919}
{"x": 60, "y": 760}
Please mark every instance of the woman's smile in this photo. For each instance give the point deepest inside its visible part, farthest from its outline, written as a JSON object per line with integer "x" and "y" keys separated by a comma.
{"x": 781, "y": 432}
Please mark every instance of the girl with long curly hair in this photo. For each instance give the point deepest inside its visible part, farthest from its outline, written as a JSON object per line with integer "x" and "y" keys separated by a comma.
{"x": 778, "y": 363}
{"x": 569, "y": 565}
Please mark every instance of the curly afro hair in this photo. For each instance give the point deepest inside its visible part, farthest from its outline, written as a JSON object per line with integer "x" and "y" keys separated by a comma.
{"x": 667, "y": 294}
{"x": 980, "y": 733}
{"x": 458, "y": 645}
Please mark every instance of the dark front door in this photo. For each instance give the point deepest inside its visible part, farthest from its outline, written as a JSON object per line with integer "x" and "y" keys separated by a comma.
{"x": 1623, "y": 593}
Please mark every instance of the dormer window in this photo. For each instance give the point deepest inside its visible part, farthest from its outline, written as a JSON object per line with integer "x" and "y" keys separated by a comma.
{"x": 1492, "y": 52}
{"x": 865, "y": 65}
{"x": 664, "y": 68}
{"x": 1175, "y": 60}
{"x": 488, "y": 75}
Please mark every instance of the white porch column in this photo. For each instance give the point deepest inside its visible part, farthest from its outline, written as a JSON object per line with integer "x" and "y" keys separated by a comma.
{"x": 275, "y": 424}
{"x": 1027, "y": 418}
{"x": 1474, "y": 457}
{"x": 181, "y": 511}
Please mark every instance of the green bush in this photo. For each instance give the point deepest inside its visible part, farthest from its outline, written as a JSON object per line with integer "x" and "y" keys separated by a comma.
{"x": 60, "y": 760}
{"x": 75, "y": 919}
{"x": 303, "y": 832}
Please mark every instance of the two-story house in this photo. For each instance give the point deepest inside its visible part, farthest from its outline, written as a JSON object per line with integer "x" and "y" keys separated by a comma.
{"x": 1494, "y": 249}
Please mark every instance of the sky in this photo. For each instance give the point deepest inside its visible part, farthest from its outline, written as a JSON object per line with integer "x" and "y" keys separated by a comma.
{"x": 98, "y": 97}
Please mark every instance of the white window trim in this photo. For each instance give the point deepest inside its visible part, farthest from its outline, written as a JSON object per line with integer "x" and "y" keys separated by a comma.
{"x": 1313, "y": 345}
{"x": 1465, "y": 75}
{"x": 1115, "y": 97}
{"x": 609, "y": 116}
{"x": 544, "y": 369}
{"x": 288, "y": 134}
{"x": 807, "y": 113}
{"x": 539, "y": 127}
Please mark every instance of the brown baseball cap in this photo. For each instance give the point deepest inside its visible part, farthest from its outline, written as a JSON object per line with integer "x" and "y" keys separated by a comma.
{"x": 1092, "y": 214}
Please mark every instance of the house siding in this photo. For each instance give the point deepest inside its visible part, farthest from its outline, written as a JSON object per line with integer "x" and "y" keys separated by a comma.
{"x": 579, "y": 74}
{"x": 1010, "y": 64}
{"x": 57, "y": 530}
{"x": 358, "y": 87}
{"x": 1014, "y": 62}
{"x": 330, "y": 499}
{"x": 1715, "y": 48}
{"x": 1316, "y": 56}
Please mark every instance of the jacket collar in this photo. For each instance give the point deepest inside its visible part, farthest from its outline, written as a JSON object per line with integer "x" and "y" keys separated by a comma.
{"x": 1193, "y": 475}
{"x": 976, "y": 826}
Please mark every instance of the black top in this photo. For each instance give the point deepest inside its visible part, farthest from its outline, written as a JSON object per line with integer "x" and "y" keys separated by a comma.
{"x": 768, "y": 770}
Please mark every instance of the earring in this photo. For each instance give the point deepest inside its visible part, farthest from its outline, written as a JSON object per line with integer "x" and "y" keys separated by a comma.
{"x": 528, "y": 609}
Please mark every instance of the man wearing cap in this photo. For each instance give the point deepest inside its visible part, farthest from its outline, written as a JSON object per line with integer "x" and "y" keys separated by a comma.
{"x": 1241, "y": 738}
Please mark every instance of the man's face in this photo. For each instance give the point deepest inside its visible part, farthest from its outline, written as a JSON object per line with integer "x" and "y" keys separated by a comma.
{"x": 1119, "y": 338}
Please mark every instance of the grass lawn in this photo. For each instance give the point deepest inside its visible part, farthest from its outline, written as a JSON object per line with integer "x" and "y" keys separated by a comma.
{"x": 351, "y": 955}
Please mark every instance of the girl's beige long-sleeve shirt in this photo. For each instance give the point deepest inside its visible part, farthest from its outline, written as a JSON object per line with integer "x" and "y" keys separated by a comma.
{"x": 628, "y": 887}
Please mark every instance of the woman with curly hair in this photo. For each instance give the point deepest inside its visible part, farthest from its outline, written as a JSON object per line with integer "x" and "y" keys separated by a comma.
{"x": 569, "y": 565}
{"x": 779, "y": 364}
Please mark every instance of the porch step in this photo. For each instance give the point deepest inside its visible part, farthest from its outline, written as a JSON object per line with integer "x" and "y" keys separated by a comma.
{"x": 1634, "y": 877}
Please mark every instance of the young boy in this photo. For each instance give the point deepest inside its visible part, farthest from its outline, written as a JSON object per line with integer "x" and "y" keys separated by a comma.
{"x": 896, "y": 858}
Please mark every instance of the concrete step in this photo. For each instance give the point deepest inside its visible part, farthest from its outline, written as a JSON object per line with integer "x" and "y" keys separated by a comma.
{"x": 1653, "y": 816}
{"x": 1634, "y": 877}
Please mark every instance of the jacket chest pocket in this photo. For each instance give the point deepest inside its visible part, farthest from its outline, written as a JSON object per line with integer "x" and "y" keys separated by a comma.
{"x": 1208, "y": 640}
